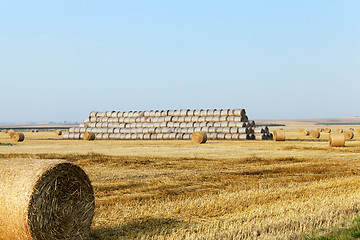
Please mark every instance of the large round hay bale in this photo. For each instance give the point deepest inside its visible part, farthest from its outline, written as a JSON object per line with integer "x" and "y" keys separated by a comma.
{"x": 327, "y": 130}
{"x": 348, "y": 135}
{"x": 337, "y": 140}
{"x": 199, "y": 137}
{"x": 279, "y": 135}
{"x": 339, "y": 130}
{"x": 17, "y": 136}
{"x": 44, "y": 199}
{"x": 314, "y": 134}
{"x": 89, "y": 136}
{"x": 320, "y": 129}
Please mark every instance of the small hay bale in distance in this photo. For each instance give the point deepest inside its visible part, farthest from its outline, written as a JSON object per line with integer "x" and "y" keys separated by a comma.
{"x": 337, "y": 140}
{"x": 89, "y": 136}
{"x": 279, "y": 135}
{"x": 58, "y": 132}
{"x": 327, "y": 130}
{"x": 314, "y": 134}
{"x": 305, "y": 132}
{"x": 17, "y": 137}
{"x": 300, "y": 130}
{"x": 10, "y": 132}
{"x": 351, "y": 129}
{"x": 199, "y": 137}
{"x": 320, "y": 129}
{"x": 348, "y": 135}
{"x": 4, "y": 131}
{"x": 44, "y": 199}
{"x": 339, "y": 130}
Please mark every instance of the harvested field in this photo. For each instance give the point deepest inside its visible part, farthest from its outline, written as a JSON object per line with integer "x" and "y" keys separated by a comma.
{"x": 217, "y": 190}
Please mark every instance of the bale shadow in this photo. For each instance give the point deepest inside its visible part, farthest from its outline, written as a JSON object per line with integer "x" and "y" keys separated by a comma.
{"x": 139, "y": 228}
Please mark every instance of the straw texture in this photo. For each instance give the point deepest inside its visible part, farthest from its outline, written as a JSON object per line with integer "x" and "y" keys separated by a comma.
{"x": 44, "y": 199}
{"x": 279, "y": 135}
{"x": 89, "y": 136}
{"x": 327, "y": 130}
{"x": 199, "y": 137}
{"x": 348, "y": 135}
{"x": 314, "y": 134}
{"x": 17, "y": 137}
{"x": 337, "y": 140}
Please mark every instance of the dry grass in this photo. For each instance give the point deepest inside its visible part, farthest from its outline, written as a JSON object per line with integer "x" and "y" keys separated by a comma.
{"x": 218, "y": 190}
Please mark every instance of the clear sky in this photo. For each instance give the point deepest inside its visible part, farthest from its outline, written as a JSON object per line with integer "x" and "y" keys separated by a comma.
{"x": 61, "y": 59}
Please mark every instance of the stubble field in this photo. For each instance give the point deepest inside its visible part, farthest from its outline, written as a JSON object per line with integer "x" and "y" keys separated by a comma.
{"x": 218, "y": 190}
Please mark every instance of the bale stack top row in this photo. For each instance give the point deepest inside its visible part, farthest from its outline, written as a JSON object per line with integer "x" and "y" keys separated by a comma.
{"x": 232, "y": 124}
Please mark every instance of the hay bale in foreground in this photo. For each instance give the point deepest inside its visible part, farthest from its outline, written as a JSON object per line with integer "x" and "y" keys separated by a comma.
{"x": 44, "y": 199}
{"x": 327, "y": 130}
{"x": 314, "y": 134}
{"x": 89, "y": 136}
{"x": 199, "y": 137}
{"x": 337, "y": 140}
{"x": 279, "y": 135}
{"x": 348, "y": 135}
{"x": 17, "y": 137}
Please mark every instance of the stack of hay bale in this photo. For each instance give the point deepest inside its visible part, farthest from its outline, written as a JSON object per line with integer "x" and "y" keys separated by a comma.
{"x": 231, "y": 124}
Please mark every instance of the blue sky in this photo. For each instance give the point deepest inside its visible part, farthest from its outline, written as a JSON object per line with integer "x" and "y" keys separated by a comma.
{"x": 277, "y": 59}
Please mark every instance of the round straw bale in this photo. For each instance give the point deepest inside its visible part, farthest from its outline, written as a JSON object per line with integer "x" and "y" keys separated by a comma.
{"x": 351, "y": 129}
{"x": 4, "y": 131}
{"x": 348, "y": 135}
{"x": 239, "y": 112}
{"x": 58, "y": 132}
{"x": 327, "y": 130}
{"x": 320, "y": 129}
{"x": 260, "y": 136}
{"x": 210, "y": 112}
{"x": 337, "y": 140}
{"x": 199, "y": 137}
{"x": 305, "y": 132}
{"x": 314, "y": 134}
{"x": 191, "y": 113}
{"x": 339, "y": 130}
{"x": 89, "y": 136}
{"x": 10, "y": 132}
{"x": 224, "y": 112}
{"x": 17, "y": 137}
{"x": 279, "y": 135}
{"x": 44, "y": 199}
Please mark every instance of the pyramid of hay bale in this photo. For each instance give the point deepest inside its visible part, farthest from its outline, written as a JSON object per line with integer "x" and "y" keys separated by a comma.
{"x": 223, "y": 124}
